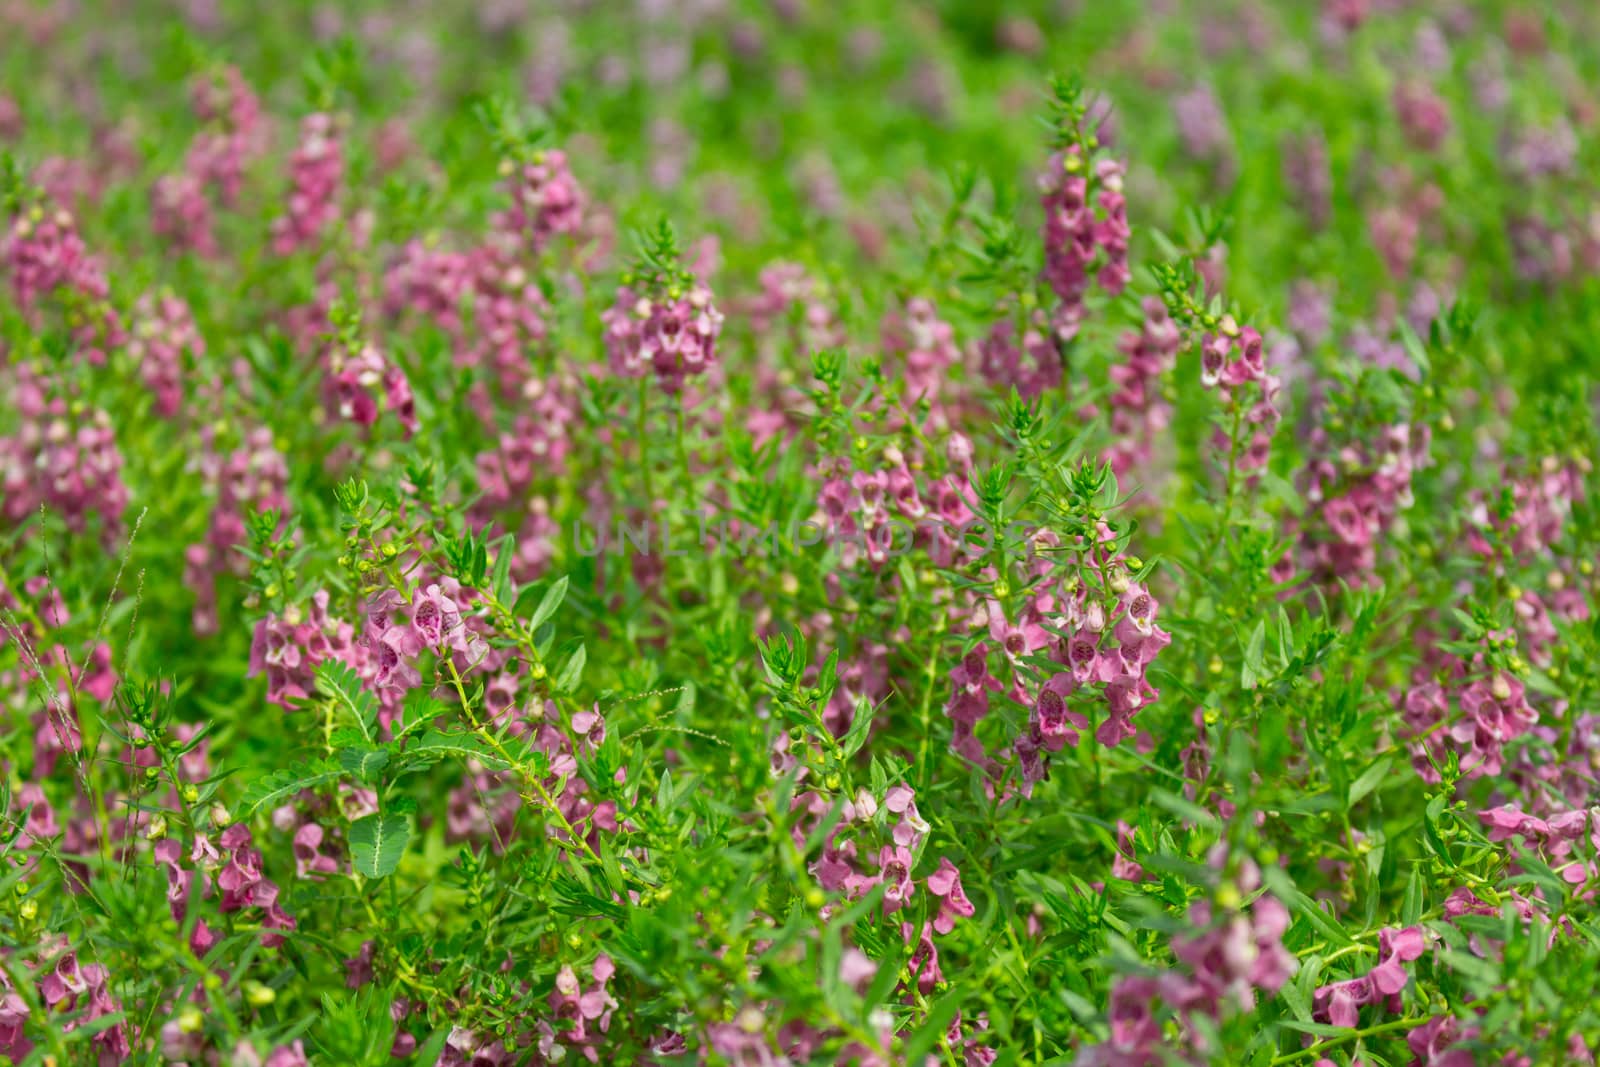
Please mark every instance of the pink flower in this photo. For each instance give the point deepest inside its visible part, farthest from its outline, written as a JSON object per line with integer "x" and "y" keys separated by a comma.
{"x": 894, "y": 868}
{"x": 545, "y": 199}
{"x": 673, "y": 337}
{"x": 945, "y": 884}
{"x": 288, "y": 1056}
{"x": 316, "y": 170}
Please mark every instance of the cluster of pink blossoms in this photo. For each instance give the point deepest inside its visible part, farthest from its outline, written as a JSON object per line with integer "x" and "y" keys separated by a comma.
{"x": 546, "y": 199}
{"x": 1550, "y": 252}
{"x": 1422, "y": 114}
{"x": 1563, "y": 769}
{"x": 164, "y": 331}
{"x": 433, "y": 622}
{"x": 1032, "y": 367}
{"x": 673, "y": 335}
{"x": 1339, "y": 1003}
{"x": 871, "y": 514}
{"x": 43, "y": 254}
{"x": 180, "y": 205}
{"x": 287, "y": 648}
{"x": 1227, "y": 960}
{"x": 1396, "y": 225}
{"x": 65, "y": 986}
{"x": 578, "y": 1022}
{"x": 1542, "y": 503}
{"x": 68, "y": 465}
{"x": 248, "y": 479}
{"x": 233, "y": 872}
{"x": 1075, "y": 235}
{"x": 316, "y": 168}
{"x": 180, "y": 214}
{"x": 233, "y": 134}
{"x": 1442, "y": 1042}
{"x": 1556, "y": 837}
{"x": 429, "y": 280}
{"x": 1104, "y": 639}
{"x": 787, "y": 289}
{"x": 1139, "y": 413}
{"x": 587, "y": 1012}
{"x": 1106, "y": 650}
{"x": 508, "y": 308}
{"x": 849, "y": 864}
{"x": 508, "y": 312}
{"x": 839, "y": 867}
{"x": 1491, "y": 708}
{"x": 536, "y": 444}
{"x": 1358, "y": 492}
{"x": 357, "y": 380}
{"x": 927, "y": 345}
{"x": 1233, "y": 359}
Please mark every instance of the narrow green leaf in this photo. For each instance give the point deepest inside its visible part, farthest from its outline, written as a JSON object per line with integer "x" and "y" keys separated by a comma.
{"x": 1306, "y": 1027}
{"x": 1369, "y": 780}
{"x": 1411, "y": 909}
{"x": 934, "y": 1024}
{"x": 500, "y": 579}
{"x": 1278, "y": 880}
{"x": 572, "y": 672}
{"x": 1184, "y": 809}
{"x": 860, "y": 726}
{"x": 547, "y": 607}
{"x": 1254, "y": 657}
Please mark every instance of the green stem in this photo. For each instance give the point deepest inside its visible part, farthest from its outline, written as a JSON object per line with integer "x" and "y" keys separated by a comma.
{"x": 1390, "y": 1027}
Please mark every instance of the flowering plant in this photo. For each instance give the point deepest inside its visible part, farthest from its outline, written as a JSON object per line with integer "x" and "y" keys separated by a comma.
{"x": 561, "y": 536}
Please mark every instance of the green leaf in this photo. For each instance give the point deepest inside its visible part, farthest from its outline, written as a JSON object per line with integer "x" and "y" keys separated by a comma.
{"x": 1320, "y": 1029}
{"x": 377, "y": 842}
{"x": 934, "y": 1024}
{"x": 567, "y": 680}
{"x": 500, "y": 580}
{"x": 337, "y": 682}
{"x": 429, "y": 1050}
{"x": 1184, "y": 809}
{"x": 1255, "y": 657}
{"x": 1277, "y": 880}
{"x": 436, "y": 744}
{"x": 269, "y": 790}
{"x": 1297, "y": 1000}
{"x": 860, "y": 726}
{"x": 613, "y": 872}
{"x": 547, "y": 607}
{"x": 419, "y": 711}
{"x": 364, "y": 762}
{"x": 1414, "y": 346}
{"x": 1411, "y": 909}
{"x": 1369, "y": 780}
